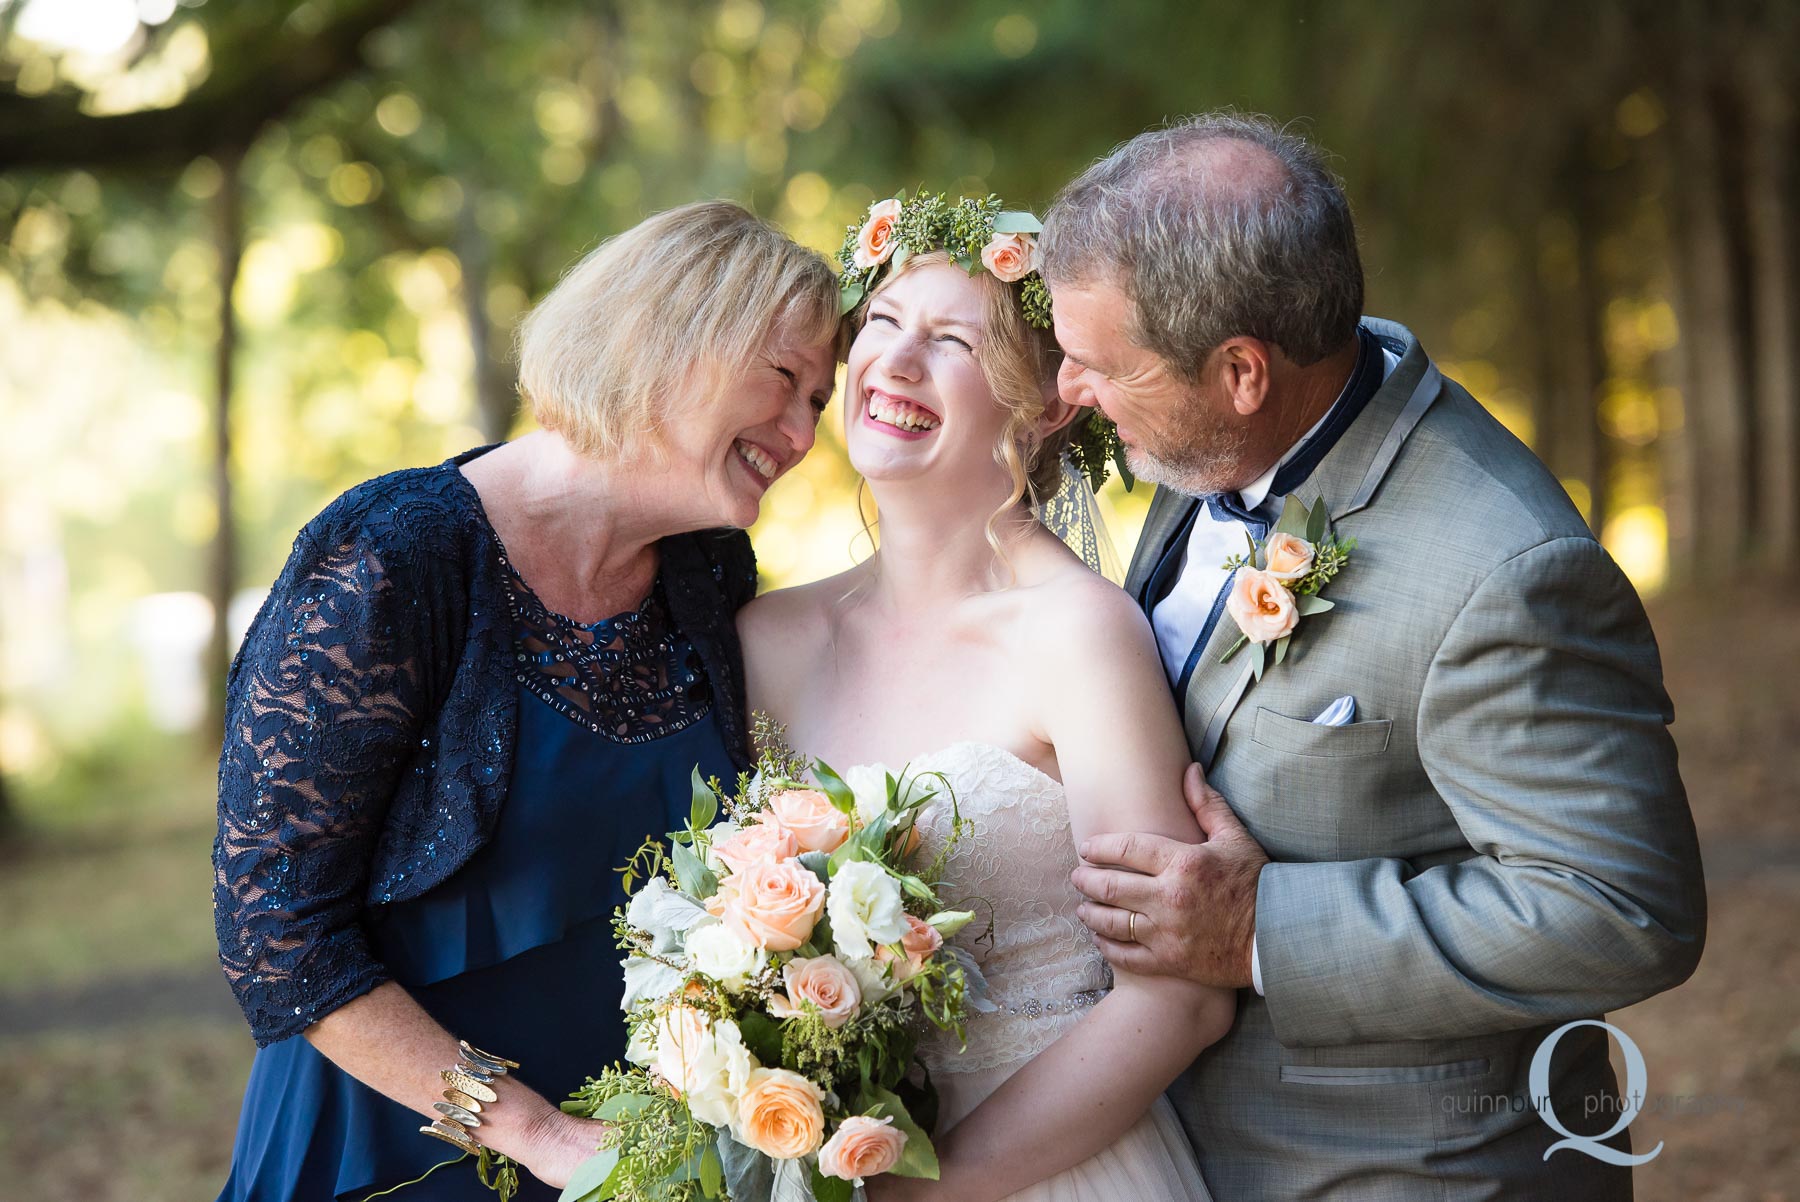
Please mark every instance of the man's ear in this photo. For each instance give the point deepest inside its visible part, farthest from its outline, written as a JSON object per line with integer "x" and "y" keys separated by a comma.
{"x": 1242, "y": 368}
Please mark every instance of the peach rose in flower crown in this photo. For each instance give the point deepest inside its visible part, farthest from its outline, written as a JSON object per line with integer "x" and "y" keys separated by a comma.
{"x": 1289, "y": 558}
{"x": 823, "y": 981}
{"x": 779, "y": 1114}
{"x": 809, "y": 816}
{"x": 1010, "y": 257}
{"x": 920, "y": 943}
{"x": 1261, "y": 606}
{"x": 875, "y": 241}
{"x": 771, "y": 904}
{"x": 862, "y": 1147}
{"x": 758, "y": 841}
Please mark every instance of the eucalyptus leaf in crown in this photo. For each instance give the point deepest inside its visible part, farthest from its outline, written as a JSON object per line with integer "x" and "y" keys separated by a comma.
{"x": 978, "y": 235}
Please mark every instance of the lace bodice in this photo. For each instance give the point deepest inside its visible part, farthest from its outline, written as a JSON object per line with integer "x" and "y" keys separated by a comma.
{"x": 1042, "y": 968}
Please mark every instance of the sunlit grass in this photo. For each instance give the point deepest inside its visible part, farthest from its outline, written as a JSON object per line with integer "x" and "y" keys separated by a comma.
{"x": 110, "y": 871}
{"x": 144, "y": 1114}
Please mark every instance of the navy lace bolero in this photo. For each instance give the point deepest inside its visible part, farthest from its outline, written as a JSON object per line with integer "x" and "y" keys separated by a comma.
{"x": 370, "y": 721}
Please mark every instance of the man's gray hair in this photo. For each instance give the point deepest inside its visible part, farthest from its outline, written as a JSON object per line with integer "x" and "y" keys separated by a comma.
{"x": 1205, "y": 252}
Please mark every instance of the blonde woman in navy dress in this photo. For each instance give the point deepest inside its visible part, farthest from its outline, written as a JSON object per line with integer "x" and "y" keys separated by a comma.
{"x": 476, "y": 688}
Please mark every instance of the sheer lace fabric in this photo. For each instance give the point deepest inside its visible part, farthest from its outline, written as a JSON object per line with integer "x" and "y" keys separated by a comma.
{"x": 1042, "y": 968}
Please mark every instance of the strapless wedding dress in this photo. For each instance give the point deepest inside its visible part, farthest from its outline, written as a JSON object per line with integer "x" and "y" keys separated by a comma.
{"x": 1042, "y": 968}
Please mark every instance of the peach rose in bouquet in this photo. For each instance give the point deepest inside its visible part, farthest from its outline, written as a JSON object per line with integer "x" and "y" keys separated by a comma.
{"x": 810, "y": 818}
{"x": 822, "y": 981}
{"x": 780, "y": 1114}
{"x": 862, "y": 1147}
{"x": 771, "y": 904}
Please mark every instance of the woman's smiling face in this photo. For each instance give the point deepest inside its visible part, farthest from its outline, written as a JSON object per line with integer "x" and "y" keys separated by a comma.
{"x": 760, "y": 424}
{"x": 916, "y": 398}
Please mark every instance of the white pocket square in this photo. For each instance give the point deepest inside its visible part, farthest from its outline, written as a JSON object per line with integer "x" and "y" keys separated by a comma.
{"x": 1339, "y": 713}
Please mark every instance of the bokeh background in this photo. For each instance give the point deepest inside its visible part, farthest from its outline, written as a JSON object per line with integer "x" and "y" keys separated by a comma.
{"x": 255, "y": 251}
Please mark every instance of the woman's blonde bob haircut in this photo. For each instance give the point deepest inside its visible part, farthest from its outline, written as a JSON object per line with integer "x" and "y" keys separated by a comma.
{"x": 664, "y": 316}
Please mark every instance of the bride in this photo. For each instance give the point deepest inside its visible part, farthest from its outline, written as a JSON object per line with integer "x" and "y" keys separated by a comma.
{"x": 975, "y": 644}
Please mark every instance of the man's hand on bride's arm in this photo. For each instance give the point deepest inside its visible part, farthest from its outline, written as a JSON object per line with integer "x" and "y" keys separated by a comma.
{"x": 1195, "y": 902}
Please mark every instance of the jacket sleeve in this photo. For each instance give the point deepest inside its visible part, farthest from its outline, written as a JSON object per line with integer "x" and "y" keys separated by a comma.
{"x": 1543, "y": 726}
{"x": 738, "y": 560}
{"x": 325, "y": 708}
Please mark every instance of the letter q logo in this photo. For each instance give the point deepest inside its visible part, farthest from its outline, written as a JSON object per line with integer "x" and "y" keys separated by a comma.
{"x": 1635, "y": 1079}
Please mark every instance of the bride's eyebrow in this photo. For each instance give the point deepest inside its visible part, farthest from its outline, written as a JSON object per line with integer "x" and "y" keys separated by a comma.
{"x": 935, "y": 321}
{"x": 962, "y": 323}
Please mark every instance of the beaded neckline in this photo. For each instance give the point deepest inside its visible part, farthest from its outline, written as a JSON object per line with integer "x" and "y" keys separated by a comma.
{"x": 629, "y": 678}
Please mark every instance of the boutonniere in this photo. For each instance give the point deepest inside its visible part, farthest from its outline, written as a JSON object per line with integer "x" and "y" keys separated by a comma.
{"x": 1278, "y": 582}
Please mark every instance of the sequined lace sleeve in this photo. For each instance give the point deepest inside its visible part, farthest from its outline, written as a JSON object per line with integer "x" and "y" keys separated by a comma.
{"x": 323, "y": 713}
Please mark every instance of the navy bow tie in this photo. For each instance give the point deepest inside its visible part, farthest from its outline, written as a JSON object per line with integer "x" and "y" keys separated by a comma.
{"x": 1229, "y": 507}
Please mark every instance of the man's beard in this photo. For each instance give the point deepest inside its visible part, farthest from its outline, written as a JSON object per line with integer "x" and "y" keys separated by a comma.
{"x": 1196, "y": 455}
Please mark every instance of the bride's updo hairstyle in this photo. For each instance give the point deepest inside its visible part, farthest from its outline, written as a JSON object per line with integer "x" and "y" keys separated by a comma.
{"x": 1019, "y": 362}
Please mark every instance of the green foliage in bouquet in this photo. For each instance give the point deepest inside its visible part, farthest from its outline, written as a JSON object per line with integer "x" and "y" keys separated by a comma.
{"x": 655, "y": 1152}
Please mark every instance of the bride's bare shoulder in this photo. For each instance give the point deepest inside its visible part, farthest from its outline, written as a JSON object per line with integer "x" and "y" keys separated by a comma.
{"x": 1072, "y": 608}
{"x": 784, "y": 617}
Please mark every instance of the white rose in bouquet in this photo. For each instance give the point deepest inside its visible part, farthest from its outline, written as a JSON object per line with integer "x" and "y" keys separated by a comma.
{"x": 869, "y": 783}
{"x": 706, "y": 1059}
{"x": 864, "y": 906}
{"x": 721, "y": 955}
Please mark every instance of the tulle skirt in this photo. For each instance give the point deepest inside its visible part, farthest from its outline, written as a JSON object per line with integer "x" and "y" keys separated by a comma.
{"x": 1151, "y": 1162}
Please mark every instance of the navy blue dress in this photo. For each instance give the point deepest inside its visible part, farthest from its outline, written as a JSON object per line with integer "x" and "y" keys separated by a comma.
{"x": 514, "y": 952}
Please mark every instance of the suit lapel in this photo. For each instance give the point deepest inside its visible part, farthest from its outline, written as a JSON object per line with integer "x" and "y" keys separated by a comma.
{"x": 1348, "y": 477}
{"x": 1168, "y": 513}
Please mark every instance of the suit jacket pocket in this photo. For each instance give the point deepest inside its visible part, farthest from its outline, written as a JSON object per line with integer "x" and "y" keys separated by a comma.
{"x": 1406, "y": 1074}
{"x": 1296, "y": 737}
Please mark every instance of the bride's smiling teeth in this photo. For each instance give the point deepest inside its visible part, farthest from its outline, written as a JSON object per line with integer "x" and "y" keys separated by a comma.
{"x": 902, "y": 414}
{"x": 758, "y": 462}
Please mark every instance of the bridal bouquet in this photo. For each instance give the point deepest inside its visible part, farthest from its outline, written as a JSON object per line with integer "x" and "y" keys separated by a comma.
{"x": 780, "y": 964}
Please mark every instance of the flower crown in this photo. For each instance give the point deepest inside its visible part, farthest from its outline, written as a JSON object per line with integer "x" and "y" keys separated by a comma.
{"x": 978, "y": 234}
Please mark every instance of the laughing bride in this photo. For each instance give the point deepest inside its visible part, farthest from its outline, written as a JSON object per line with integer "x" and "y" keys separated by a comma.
{"x": 976, "y": 644}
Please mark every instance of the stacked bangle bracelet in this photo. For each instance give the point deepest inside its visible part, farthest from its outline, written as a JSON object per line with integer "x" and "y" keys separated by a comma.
{"x": 471, "y": 1081}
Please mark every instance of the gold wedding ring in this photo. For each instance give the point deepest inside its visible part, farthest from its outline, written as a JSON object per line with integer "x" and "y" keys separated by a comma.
{"x": 1131, "y": 927}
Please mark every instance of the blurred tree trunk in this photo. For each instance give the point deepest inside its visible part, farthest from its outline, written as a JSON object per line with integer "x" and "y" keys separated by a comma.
{"x": 1569, "y": 299}
{"x": 1774, "y": 257}
{"x": 1707, "y": 262}
{"x": 1540, "y": 356}
{"x": 496, "y": 400}
{"x": 1587, "y": 333}
{"x": 228, "y": 239}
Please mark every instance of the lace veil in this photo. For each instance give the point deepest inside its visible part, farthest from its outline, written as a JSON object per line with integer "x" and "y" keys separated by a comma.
{"x": 1073, "y": 515}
